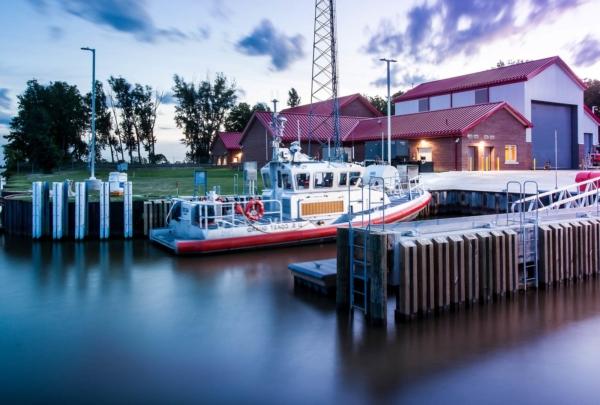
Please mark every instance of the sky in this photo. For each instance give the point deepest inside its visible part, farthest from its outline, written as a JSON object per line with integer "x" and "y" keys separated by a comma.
{"x": 265, "y": 46}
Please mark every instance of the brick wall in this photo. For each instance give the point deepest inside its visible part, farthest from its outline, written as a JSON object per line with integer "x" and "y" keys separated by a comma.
{"x": 356, "y": 108}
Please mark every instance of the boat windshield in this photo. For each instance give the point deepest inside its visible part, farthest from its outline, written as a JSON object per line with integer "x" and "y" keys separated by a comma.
{"x": 354, "y": 178}
{"x": 303, "y": 181}
{"x": 266, "y": 180}
{"x": 287, "y": 181}
{"x": 323, "y": 179}
{"x": 343, "y": 179}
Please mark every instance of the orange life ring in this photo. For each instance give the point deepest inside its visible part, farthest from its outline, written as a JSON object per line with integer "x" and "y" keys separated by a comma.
{"x": 255, "y": 210}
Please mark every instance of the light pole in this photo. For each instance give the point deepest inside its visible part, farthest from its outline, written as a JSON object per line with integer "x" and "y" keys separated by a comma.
{"x": 93, "y": 146}
{"x": 389, "y": 109}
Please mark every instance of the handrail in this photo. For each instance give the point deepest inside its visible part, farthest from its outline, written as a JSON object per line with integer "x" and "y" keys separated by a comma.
{"x": 558, "y": 197}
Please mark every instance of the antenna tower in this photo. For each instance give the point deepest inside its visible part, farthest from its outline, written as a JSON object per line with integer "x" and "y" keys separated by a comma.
{"x": 324, "y": 84}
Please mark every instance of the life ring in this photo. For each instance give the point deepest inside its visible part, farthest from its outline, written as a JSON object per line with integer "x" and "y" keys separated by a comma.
{"x": 255, "y": 210}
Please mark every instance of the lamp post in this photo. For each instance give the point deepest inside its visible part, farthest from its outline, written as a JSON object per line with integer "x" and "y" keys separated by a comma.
{"x": 93, "y": 146}
{"x": 389, "y": 109}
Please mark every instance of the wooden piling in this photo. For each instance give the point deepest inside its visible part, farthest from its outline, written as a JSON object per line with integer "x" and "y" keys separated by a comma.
{"x": 406, "y": 299}
{"x": 378, "y": 269}
{"x": 441, "y": 251}
{"x": 342, "y": 293}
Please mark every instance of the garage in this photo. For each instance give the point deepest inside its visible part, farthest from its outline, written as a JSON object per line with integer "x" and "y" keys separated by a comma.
{"x": 547, "y": 118}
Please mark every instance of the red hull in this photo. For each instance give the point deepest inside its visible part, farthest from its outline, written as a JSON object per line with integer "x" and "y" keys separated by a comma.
{"x": 279, "y": 238}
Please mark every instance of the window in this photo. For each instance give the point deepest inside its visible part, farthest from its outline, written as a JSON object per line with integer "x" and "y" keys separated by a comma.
{"x": 343, "y": 179}
{"x": 323, "y": 180}
{"x": 266, "y": 180}
{"x": 510, "y": 154}
{"x": 482, "y": 96}
{"x": 425, "y": 154}
{"x": 287, "y": 182}
{"x": 279, "y": 180}
{"x": 354, "y": 178}
{"x": 423, "y": 104}
{"x": 303, "y": 181}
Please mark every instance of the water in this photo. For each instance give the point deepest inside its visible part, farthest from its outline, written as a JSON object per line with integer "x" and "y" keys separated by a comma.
{"x": 127, "y": 322}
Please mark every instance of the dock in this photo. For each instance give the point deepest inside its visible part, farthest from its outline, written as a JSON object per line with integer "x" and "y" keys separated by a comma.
{"x": 319, "y": 275}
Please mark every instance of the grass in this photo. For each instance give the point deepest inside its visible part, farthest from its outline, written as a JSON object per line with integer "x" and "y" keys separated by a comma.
{"x": 147, "y": 182}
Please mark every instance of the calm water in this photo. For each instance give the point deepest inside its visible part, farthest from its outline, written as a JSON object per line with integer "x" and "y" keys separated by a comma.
{"x": 128, "y": 322}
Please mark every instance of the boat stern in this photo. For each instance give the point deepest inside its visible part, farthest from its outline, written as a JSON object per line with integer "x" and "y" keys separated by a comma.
{"x": 164, "y": 237}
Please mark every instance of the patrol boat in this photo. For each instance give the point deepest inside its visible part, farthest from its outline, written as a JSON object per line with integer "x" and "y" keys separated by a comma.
{"x": 302, "y": 201}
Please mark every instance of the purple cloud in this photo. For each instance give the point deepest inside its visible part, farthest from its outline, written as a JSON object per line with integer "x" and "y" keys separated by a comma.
{"x": 587, "y": 52}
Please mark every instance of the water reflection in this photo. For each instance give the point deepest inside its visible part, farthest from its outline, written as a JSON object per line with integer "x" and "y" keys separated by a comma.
{"x": 127, "y": 321}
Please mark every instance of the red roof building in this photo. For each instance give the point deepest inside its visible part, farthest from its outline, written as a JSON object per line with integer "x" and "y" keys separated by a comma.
{"x": 354, "y": 105}
{"x": 226, "y": 148}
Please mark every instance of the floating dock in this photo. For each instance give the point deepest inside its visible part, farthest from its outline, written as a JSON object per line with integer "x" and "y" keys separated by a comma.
{"x": 319, "y": 275}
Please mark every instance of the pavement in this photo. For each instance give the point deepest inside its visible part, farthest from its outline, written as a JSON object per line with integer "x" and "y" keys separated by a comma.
{"x": 495, "y": 181}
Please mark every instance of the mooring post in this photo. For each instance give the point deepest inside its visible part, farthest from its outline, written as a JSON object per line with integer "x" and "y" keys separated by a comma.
{"x": 60, "y": 213}
{"x": 406, "y": 296}
{"x": 81, "y": 211}
{"x": 377, "y": 255}
{"x": 127, "y": 210}
{"x": 342, "y": 294}
{"x": 40, "y": 213}
{"x": 104, "y": 210}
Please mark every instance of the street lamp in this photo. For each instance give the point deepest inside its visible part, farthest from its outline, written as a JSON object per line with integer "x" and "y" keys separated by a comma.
{"x": 93, "y": 146}
{"x": 389, "y": 109}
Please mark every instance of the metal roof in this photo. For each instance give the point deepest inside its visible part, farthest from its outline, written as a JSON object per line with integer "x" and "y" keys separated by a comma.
{"x": 321, "y": 124}
{"x": 591, "y": 114}
{"x": 231, "y": 140}
{"x": 431, "y": 124}
{"x": 518, "y": 72}
{"x": 326, "y": 107}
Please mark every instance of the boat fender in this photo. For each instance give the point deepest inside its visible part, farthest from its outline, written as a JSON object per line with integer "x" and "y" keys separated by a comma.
{"x": 255, "y": 209}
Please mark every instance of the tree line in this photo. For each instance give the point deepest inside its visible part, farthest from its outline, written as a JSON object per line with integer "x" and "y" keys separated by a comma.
{"x": 52, "y": 123}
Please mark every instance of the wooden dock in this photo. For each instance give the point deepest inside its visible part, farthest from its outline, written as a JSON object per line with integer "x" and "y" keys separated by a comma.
{"x": 437, "y": 265}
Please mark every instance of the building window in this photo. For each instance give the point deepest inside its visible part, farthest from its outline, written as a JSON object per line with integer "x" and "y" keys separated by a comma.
{"x": 424, "y": 104}
{"x": 425, "y": 154}
{"x": 510, "y": 154}
{"x": 482, "y": 96}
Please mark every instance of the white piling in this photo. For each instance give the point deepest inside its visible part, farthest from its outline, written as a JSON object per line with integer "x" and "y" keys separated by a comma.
{"x": 80, "y": 210}
{"x": 104, "y": 210}
{"x": 127, "y": 210}
{"x": 36, "y": 210}
{"x": 60, "y": 204}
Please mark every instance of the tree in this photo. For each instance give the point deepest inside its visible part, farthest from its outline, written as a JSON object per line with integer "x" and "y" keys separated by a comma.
{"x": 381, "y": 103}
{"x": 125, "y": 103}
{"x": 240, "y": 115}
{"x": 200, "y": 110}
{"x": 509, "y": 62}
{"x": 49, "y": 126}
{"x": 591, "y": 95}
{"x": 104, "y": 138}
{"x": 293, "y": 98}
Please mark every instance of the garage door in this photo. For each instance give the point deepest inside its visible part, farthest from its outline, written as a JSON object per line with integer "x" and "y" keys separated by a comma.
{"x": 547, "y": 118}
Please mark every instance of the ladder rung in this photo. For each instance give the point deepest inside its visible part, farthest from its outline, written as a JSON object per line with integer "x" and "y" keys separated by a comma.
{"x": 359, "y": 277}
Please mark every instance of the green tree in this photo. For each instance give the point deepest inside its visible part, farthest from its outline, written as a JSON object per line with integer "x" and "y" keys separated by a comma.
{"x": 125, "y": 103}
{"x": 145, "y": 107}
{"x": 104, "y": 137}
{"x": 49, "y": 126}
{"x": 293, "y": 98}
{"x": 509, "y": 62}
{"x": 591, "y": 95}
{"x": 200, "y": 111}
{"x": 381, "y": 103}
{"x": 240, "y": 115}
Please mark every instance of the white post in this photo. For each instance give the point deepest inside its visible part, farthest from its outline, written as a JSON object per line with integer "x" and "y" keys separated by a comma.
{"x": 555, "y": 158}
{"x": 80, "y": 210}
{"x": 57, "y": 210}
{"x": 104, "y": 210}
{"x": 127, "y": 210}
{"x": 36, "y": 209}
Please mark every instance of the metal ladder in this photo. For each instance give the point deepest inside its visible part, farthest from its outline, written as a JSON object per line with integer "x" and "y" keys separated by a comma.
{"x": 527, "y": 219}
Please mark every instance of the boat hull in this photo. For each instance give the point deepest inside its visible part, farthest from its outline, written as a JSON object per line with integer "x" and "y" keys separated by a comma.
{"x": 163, "y": 236}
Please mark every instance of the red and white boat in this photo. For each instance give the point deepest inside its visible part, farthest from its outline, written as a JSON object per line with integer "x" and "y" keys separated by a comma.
{"x": 303, "y": 201}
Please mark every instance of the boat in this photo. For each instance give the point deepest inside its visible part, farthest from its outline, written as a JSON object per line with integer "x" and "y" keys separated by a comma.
{"x": 303, "y": 201}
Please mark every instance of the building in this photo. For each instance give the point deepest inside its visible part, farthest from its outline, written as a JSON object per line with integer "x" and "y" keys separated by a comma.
{"x": 226, "y": 149}
{"x": 546, "y": 92}
{"x": 479, "y": 137}
{"x": 354, "y": 105}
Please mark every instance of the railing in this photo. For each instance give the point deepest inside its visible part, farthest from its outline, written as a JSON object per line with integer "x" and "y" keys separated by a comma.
{"x": 576, "y": 195}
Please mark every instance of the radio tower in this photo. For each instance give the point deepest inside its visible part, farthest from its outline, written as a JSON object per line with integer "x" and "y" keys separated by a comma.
{"x": 324, "y": 84}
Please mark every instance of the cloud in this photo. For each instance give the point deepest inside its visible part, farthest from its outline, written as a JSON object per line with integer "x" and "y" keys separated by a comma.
{"x": 4, "y": 99}
{"x": 56, "y": 33}
{"x": 5, "y": 118}
{"x": 446, "y": 28}
{"x": 265, "y": 40}
{"x": 587, "y": 52}
{"x": 400, "y": 77}
{"x": 169, "y": 98}
{"x": 125, "y": 16}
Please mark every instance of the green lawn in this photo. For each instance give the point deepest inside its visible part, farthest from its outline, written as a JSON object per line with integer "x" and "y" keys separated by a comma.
{"x": 147, "y": 182}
